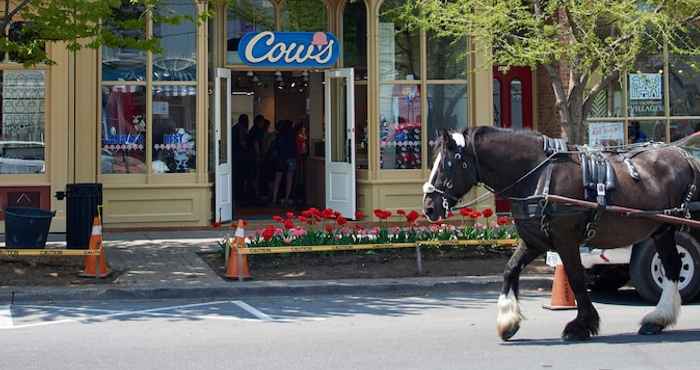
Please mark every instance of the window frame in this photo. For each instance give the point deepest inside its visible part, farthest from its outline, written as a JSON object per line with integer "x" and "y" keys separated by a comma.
{"x": 149, "y": 83}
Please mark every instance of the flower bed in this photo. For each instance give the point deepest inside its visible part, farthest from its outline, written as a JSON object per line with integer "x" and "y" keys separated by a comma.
{"x": 327, "y": 227}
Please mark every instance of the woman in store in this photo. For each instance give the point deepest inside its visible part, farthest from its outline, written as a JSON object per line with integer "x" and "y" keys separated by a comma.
{"x": 285, "y": 160}
{"x": 243, "y": 159}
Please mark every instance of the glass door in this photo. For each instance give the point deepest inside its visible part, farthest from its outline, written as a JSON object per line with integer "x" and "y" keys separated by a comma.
{"x": 222, "y": 145}
{"x": 340, "y": 141}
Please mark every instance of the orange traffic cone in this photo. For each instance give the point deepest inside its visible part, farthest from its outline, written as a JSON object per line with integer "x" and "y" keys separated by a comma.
{"x": 238, "y": 263}
{"x": 562, "y": 295}
{"x": 96, "y": 244}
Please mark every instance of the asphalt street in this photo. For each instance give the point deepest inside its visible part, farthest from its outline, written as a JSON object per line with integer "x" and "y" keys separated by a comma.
{"x": 433, "y": 331}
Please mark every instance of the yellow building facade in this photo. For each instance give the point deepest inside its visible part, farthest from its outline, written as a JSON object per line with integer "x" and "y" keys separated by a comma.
{"x": 142, "y": 123}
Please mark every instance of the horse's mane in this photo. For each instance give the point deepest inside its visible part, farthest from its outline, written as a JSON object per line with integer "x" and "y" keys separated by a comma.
{"x": 480, "y": 131}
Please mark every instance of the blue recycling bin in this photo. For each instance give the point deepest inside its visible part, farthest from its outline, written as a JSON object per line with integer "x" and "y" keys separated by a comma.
{"x": 27, "y": 227}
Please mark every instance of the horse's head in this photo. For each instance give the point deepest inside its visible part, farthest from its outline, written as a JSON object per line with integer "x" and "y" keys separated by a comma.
{"x": 454, "y": 173}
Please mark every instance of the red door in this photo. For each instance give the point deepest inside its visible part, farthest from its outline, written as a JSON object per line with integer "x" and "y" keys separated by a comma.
{"x": 512, "y": 106}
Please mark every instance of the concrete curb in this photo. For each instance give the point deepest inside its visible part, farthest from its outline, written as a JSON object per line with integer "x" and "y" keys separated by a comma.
{"x": 235, "y": 289}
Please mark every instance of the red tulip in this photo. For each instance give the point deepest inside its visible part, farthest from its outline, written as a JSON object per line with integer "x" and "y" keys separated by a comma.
{"x": 290, "y": 214}
{"x": 268, "y": 233}
{"x": 277, "y": 219}
{"x": 329, "y": 228}
{"x": 341, "y": 221}
{"x": 465, "y": 212}
{"x": 382, "y": 214}
{"x": 328, "y": 214}
{"x": 503, "y": 220}
{"x": 450, "y": 214}
{"x": 359, "y": 215}
{"x": 488, "y": 212}
{"x": 288, "y": 224}
{"x": 401, "y": 212}
{"x": 475, "y": 214}
{"x": 412, "y": 216}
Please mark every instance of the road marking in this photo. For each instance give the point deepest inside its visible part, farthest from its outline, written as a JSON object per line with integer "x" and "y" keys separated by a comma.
{"x": 252, "y": 310}
{"x": 6, "y": 317}
{"x": 147, "y": 312}
{"x": 64, "y": 308}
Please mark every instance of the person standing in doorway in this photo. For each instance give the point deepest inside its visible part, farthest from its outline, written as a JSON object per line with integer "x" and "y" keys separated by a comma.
{"x": 257, "y": 135}
{"x": 286, "y": 160}
{"x": 242, "y": 158}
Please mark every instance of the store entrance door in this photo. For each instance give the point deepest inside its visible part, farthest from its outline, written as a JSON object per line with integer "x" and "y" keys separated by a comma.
{"x": 222, "y": 146}
{"x": 340, "y": 141}
{"x": 512, "y": 106}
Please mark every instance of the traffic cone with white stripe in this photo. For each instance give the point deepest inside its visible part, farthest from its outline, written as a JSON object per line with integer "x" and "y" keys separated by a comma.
{"x": 238, "y": 263}
{"x": 91, "y": 262}
{"x": 562, "y": 294}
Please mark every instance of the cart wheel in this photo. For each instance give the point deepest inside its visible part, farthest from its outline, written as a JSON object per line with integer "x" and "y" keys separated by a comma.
{"x": 647, "y": 272}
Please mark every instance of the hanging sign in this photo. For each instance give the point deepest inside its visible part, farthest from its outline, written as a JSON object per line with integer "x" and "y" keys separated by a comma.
{"x": 289, "y": 49}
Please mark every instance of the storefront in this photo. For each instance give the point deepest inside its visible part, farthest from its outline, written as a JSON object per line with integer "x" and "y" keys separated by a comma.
{"x": 150, "y": 126}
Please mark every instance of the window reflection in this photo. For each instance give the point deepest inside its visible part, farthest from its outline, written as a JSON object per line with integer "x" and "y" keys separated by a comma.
{"x": 400, "y": 126}
{"x": 246, "y": 16}
{"x": 22, "y": 136}
{"x": 123, "y": 129}
{"x": 447, "y": 59}
{"x": 447, "y": 109}
{"x": 355, "y": 38}
{"x": 303, "y": 16}
{"x": 178, "y": 61}
{"x": 399, "y": 49}
{"x": 122, "y": 63}
{"x": 174, "y": 129}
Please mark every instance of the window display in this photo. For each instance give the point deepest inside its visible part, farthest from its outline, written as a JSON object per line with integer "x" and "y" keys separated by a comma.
{"x": 22, "y": 134}
{"x": 123, "y": 129}
{"x": 174, "y": 129}
{"x": 400, "y": 126}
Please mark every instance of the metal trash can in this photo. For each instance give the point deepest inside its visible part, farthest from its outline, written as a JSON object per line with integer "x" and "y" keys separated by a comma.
{"x": 82, "y": 202}
{"x": 27, "y": 227}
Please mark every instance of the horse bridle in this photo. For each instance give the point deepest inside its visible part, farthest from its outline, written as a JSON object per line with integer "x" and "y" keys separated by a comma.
{"x": 460, "y": 156}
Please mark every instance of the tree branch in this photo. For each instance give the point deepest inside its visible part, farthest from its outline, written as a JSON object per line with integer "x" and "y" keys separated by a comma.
{"x": 558, "y": 87}
{"x": 11, "y": 14}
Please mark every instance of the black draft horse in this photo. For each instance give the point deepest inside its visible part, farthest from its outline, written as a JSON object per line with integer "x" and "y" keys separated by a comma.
{"x": 499, "y": 158}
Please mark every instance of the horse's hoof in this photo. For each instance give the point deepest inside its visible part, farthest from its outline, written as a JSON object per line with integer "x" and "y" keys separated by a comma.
{"x": 576, "y": 332}
{"x": 509, "y": 333}
{"x": 650, "y": 328}
{"x": 575, "y": 337}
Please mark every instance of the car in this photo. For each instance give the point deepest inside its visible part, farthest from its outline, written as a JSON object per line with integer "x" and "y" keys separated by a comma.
{"x": 22, "y": 157}
{"x": 640, "y": 265}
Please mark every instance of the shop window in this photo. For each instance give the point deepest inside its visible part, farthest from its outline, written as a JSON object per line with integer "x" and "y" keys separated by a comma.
{"x": 683, "y": 128}
{"x": 639, "y": 131}
{"x": 645, "y": 95}
{"x": 123, "y": 129}
{"x": 22, "y": 115}
{"x": 400, "y": 126}
{"x": 447, "y": 58}
{"x": 246, "y": 16}
{"x": 684, "y": 81}
{"x": 361, "y": 128}
{"x": 355, "y": 38}
{"x": 178, "y": 60}
{"x": 174, "y": 129}
{"x": 399, "y": 48}
{"x": 610, "y": 133}
{"x": 447, "y": 109}
{"x": 124, "y": 63}
{"x": 608, "y": 102}
{"x": 303, "y": 16}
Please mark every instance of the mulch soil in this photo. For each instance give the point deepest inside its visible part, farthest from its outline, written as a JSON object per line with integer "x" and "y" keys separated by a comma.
{"x": 390, "y": 263}
{"x": 46, "y": 271}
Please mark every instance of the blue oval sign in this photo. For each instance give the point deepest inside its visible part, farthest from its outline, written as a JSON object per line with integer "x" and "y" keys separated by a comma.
{"x": 289, "y": 49}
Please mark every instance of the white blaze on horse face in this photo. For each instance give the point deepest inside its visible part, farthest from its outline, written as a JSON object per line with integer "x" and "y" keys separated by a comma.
{"x": 669, "y": 307}
{"x": 459, "y": 139}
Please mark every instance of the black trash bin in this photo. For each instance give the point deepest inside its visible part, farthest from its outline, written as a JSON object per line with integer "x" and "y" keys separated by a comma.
{"x": 27, "y": 227}
{"x": 82, "y": 202}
